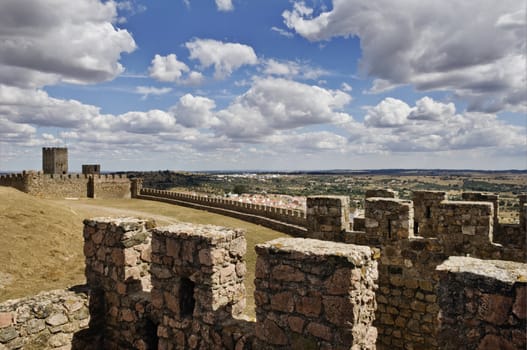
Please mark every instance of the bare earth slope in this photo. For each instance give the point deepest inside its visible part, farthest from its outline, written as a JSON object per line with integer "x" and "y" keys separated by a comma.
{"x": 42, "y": 239}
{"x": 41, "y": 245}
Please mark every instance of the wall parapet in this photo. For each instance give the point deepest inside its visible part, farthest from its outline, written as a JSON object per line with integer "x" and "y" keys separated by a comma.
{"x": 294, "y": 217}
{"x": 313, "y": 294}
{"x": 483, "y": 304}
{"x": 198, "y": 295}
{"x": 69, "y": 185}
{"x": 49, "y": 320}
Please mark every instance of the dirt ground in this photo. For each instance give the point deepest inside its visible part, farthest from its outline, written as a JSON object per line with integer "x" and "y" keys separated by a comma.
{"x": 43, "y": 241}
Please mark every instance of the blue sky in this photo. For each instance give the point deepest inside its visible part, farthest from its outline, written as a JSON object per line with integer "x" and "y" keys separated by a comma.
{"x": 261, "y": 84}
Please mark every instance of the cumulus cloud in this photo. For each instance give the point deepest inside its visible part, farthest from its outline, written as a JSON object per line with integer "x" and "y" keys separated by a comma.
{"x": 307, "y": 141}
{"x": 432, "y": 126}
{"x": 390, "y": 112}
{"x": 278, "y": 104}
{"x": 224, "y": 5}
{"x": 437, "y": 46}
{"x": 195, "y": 112}
{"x": 170, "y": 69}
{"x": 15, "y": 132}
{"x": 36, "y": 46}
{"x": 224, "y": 57}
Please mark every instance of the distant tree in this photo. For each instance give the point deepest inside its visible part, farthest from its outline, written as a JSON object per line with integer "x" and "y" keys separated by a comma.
{"x": 239, "y": 189}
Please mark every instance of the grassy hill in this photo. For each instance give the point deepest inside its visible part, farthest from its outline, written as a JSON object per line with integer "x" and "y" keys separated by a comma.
{"x": 42, "y": 239}
{"x": 41, "y": 245}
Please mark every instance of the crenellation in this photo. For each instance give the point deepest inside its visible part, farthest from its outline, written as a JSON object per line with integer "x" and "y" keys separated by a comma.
{"x": 56, "y": 182}
{"x": 425, "y": 207}
{"x": 482, "y": 303}
{"x": 301, "y": 304}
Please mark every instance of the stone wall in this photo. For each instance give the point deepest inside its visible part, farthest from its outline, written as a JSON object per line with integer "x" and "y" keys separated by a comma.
{"x": 68, "y": 185}
{"x": 407, "y": 313}
{"x": 118, "y": 258}
{"x": 483, "y": 304}
{"x": 257, "y": 214}
{"x": 484, "y": 197}
{"x": 313, "y": 294}
{"x": 294, "y": 217}
{"x": 381, "y": 192}
{"x": 327, "y": 216}
{"x": 188, "y": 292}
{"x": 198, "y": 285}
{"x": 48, "y": 320}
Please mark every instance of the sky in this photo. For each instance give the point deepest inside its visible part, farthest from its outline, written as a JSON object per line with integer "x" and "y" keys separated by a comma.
{"x": 264, "y": 84}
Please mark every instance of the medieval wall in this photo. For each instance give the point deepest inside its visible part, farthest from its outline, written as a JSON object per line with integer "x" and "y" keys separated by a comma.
{"x": 48, "y": 320}
{"x": 408, "y": 309}
{"x": 68, "y": 185}
{"x": 118, "y": 259}
{"x": 285, "y": 220}
{"x": 313, "y": 294}
{"x": 483, "y": 304}
{"x": 196, "y": 293}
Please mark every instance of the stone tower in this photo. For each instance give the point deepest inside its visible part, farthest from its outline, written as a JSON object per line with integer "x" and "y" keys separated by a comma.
{"x": 55, "y": 160}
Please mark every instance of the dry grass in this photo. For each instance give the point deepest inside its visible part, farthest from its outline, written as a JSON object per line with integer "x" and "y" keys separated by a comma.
{"x": 43, "y": 238}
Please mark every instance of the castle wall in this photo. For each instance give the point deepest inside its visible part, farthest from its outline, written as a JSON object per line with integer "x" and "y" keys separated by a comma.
{"x": 118, "y": 255}
{"x": 196, "y": 293}
{"x": 407, "y": 313}
{"x": 91, "y": 169}
{"x": 483, "y": 304}
{"x": 381, "y": 192}
{"x": 313, "y": 294}
{"x": 294, "y": 217}
{"x": 68, "y": 185}
{"x": 326, "y": 216}
{"x": 484, "y": 197}
{"x": 258, "y": 214}
{"x": 48, "y": 320}
{"x": 197, "y": 277}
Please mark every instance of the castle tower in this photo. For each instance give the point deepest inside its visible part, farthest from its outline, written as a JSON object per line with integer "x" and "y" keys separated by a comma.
{"x": 55, "y": 160}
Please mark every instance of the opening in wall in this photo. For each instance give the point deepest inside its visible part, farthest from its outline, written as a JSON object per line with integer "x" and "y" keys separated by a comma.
{"x": 428, "y": 212}
{"x": 186, "y": 297}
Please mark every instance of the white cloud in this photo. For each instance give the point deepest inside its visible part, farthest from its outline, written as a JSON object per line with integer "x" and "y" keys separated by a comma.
{"x": 428, "y": 109}
{"x": 36, "y": 46}
{"x": 283, "y": 32}
{"x": 292, "y": 69}
{"x": 151, "y": 90}
{"x": 38, "y": 108}
{"x": 432, "y": 126}
{"x": 225, "y": 57}
{"x": 15, "y": 132}
{"x": 278, "y": 104}
{"x": 434, "y": 46}
{"x": 390, "y": 112}
{"x": 195, "y": 112}
{"x": 150, "y": 122}
{"x": 170, "y": 69}
{"x": 224, "y": 5}
{"x": 307, "y": 141}
{"x": 346, "y": 87}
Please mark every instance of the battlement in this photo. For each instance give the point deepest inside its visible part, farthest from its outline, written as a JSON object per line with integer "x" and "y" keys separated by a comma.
{"x": 288, "y": 216}
{"x": 69, "y": 185}
{"x": 182, "y": 286}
